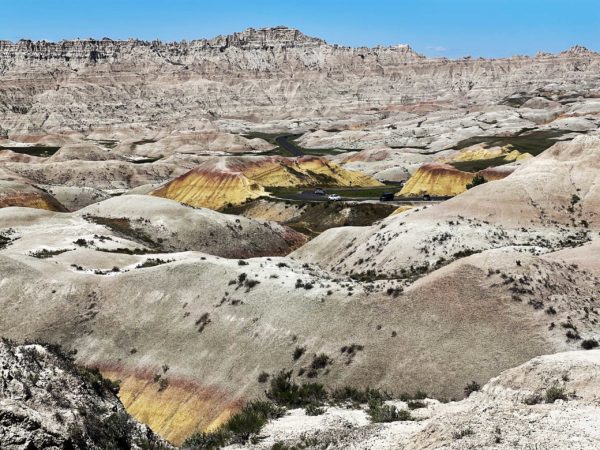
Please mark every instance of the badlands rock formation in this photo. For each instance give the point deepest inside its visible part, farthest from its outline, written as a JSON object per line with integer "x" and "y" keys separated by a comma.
{"x": 13, "y": 193}
{"x": 217, "y": 324}
{"x": 514, "y": 410}
{"x": 314, "y": 218}
{"x": 46, "y": 401}
{"x": 267, "y": 73}
{"x": 436, "y": 179}
{"x": 135, "y": 115}
{"x": 193, "y": 309}
{"x": 548, "y": 203}
{"x": 219, "y": 182}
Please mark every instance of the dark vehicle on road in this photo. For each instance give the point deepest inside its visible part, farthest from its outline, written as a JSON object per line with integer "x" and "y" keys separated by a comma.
{"x": 386, "y": 197}
{"x": 319, "y": 191}
{"x": 427, "y": 197}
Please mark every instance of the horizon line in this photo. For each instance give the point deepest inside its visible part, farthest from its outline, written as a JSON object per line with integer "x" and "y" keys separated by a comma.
{"x": 284, "y": 27}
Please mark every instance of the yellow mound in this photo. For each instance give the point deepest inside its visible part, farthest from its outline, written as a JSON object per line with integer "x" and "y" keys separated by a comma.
{"x": 175, "y": 412}
{"x": 515, "y": 155}
{"x": 305, "y": 171}
{"x": 481, "y": 152}
{"x": 211, "y": 189}
{"x": 444, "y": 180}
{"x": 236, "y": 180}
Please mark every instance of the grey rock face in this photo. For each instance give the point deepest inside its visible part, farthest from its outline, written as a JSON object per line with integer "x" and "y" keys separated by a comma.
{"x": 267, "y": 73}
{"x": 48, "y": 402}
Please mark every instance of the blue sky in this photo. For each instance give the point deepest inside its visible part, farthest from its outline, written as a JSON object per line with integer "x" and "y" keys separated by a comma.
{"x": 435, "y": 27}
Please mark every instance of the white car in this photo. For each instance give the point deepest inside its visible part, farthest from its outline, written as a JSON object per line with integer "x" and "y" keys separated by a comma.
{"x": 334, "y": 197}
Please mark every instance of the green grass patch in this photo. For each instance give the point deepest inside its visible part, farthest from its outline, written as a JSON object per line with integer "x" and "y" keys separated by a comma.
{"x": 291, "y": 139}
{"x": 533, "y": 143}
{"x": 33, "y": 151}
{"x": 480, "y": 164}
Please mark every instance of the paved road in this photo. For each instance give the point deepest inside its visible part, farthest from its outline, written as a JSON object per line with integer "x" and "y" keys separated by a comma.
{"x": 284, "y": 143}
{"x": 310, "y": 196}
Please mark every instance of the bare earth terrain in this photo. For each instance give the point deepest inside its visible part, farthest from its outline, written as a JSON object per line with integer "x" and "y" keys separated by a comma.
{"x": 165, "y": 218}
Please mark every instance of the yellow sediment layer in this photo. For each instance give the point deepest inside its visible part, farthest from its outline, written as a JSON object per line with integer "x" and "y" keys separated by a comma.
{"x": 339, "y": 176}
{"x": 436, "y": 180}
{"x": 30, "y": 201}
{"x": 402, "y": 209}
{"x": 515, "y": 155}
{"x": 482, "y": 153}
{"x": 241, "y": 180}
{"x": 444, "y": 180}
{"x": 305, "y": 172}
{"x": 176, "y": 412}
{"x": 207, "y": 190}
{"x": 479, "y": 153}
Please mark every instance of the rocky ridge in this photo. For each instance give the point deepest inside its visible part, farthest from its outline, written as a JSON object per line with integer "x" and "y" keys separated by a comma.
{"x": 46, "y": 401}
{"x": 550, "y": 401}
{"x": 268, "y": 73}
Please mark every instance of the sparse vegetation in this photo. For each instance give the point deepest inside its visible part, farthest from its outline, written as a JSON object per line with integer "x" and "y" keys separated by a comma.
{"x": 589, "y": 344}
{"x": 46, "y": 253}
{"x": 462, "y": 433}
{"x": 357, "y": 396}
{"x": 126, "y": 228}
{"x": 380, "y": 412}
{"x": 263, "y": 377}
{"x": 285, "y": 392}
{"x": 203, "y": 321}
{"x": 241, "y": 428}
{"x": 473, "y": 386}
{"x": 313, "y": 410}
{"x": 477, "y": 181}
{"x": 6, "y": 238}
{"x": 82, "y": 242}
{"x": 152, "y": 262}
{"x": 555, "y": 393}
{"x": 298, "y": 352}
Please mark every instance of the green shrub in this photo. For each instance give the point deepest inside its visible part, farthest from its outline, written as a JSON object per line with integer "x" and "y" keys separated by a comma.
{"x": 589, "y": 344}
{"x": 152, "y": 262}
{"x": 298, "y": 352}
{"x": 285, "y": 392}
{"x": 81, "y": 242}
{"x": 263, "y": 377}
{"x": 473, "y": 386}
{"x": 360, "y": 396}
{"x": 419, "y": 395}
{"x": 313, "y": 410}
{"x": 379, "y": 412}
{"x": 239, "y": 429}
{"x": 320, "y": 361}
{"x": 250, "y": 284}
{"x": 477, "y": 180}
{"x": 555, "y": 393}
{"x": 45, "y": 253}
{"x": 207, "y": 441}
